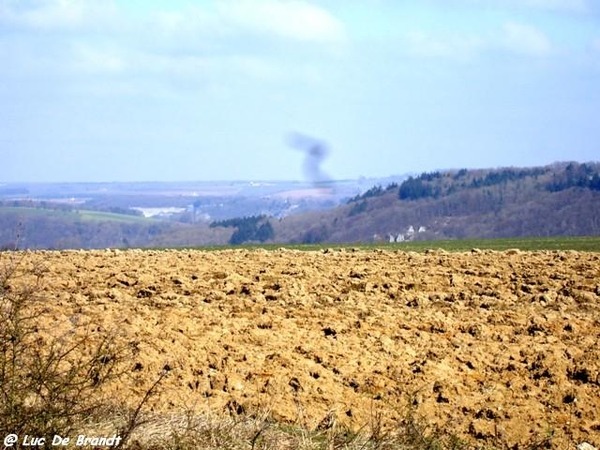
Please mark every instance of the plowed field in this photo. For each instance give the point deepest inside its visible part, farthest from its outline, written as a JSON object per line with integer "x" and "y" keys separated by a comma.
{"x": 487, "y": 344}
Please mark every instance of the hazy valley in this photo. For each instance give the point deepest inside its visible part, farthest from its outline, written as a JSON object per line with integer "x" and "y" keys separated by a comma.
{"x": 558, "y": 200}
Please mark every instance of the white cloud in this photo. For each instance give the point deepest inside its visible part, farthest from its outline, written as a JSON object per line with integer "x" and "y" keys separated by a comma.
{"x": 525, "y": 39}
{"x": 289, "y": 19}
{"x": 89, "y": 59}
{"x": 455, "y": 47}
{"x": 571, "y": 6}
{"x": 178, "y": 51}
{"x": 190, "y": 22}
{"x": 207, "y": 67}
{"x": 513, "y": 37}
{"x": 579, "y": 6}
{"x": 59, "y": 14}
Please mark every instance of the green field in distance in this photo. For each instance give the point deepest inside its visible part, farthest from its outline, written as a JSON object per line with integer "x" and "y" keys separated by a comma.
{"x": 579, "y": 243}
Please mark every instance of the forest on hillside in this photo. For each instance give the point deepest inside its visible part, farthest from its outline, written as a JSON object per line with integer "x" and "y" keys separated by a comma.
{"x": 557, "y": 200}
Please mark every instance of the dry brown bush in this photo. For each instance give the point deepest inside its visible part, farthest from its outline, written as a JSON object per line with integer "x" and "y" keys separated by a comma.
{"x": 54, "y": 384}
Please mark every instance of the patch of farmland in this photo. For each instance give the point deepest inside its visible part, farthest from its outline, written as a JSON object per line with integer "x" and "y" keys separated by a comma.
{"x": 494, "y": 345}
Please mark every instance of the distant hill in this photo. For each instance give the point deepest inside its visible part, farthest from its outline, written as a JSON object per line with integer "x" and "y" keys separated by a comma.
{"x": 38, "y": 226}
{"x": 562, "y": 199}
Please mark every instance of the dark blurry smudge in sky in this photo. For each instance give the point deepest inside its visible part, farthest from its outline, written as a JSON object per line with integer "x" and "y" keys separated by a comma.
{"x": 315, "y": 152}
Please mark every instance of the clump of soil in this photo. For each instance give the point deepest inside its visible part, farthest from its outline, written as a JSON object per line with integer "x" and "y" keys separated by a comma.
{"x": 492, "y": 345}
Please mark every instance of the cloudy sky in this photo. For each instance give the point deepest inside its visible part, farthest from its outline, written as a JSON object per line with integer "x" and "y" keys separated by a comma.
{"x": 131, "y": 90}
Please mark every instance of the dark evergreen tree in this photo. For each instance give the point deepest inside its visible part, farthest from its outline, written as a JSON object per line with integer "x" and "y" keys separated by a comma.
{"x": 265, "y": 232}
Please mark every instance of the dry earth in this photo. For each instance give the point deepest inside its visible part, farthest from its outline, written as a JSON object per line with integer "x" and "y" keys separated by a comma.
{"x": 485, "y": 344}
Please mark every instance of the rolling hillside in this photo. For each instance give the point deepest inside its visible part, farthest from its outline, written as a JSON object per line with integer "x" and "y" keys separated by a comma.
{"x": 558, "y": 200}
{"x": 54, "y": 228}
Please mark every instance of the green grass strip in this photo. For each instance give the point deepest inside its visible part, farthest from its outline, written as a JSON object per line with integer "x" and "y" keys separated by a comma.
{"x": 578, "y": 243}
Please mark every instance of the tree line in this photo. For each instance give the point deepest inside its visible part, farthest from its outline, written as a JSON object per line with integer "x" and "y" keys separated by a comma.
{"x": 575, "y": 175}
{"x": 248, "y": 229}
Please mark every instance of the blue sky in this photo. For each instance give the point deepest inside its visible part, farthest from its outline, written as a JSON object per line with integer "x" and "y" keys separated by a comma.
{"x": 139, "y": 90}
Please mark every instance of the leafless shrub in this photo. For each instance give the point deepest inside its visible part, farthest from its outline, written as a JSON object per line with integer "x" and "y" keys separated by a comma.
{"x": 52, "y": 382}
